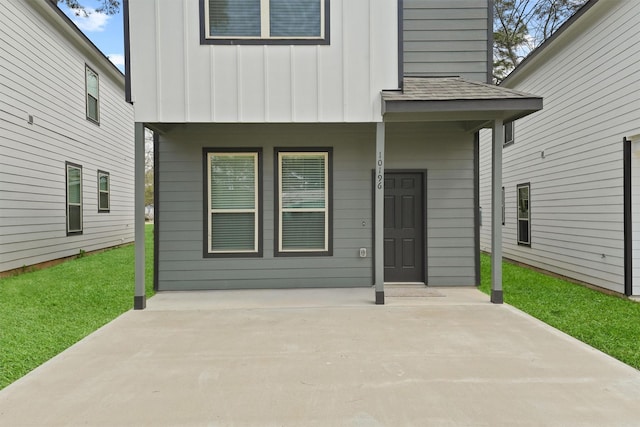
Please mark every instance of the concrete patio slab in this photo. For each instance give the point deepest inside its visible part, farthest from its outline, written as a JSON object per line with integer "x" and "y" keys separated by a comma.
{"x": 326, "y": 358}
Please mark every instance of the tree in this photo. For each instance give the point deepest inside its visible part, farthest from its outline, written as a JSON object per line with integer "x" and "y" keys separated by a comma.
{"x": 109, "y": 7}
{"x": 148, "y": 167}
{"x": 522, "y": 25}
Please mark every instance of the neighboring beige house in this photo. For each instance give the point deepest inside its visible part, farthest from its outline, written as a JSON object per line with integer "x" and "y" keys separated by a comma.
{"x": 574, "y": 167}
{"x": 334, "y": 144}
{"x": 66, "y": 140}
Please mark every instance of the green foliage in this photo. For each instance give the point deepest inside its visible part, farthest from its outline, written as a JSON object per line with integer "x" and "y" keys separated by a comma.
{"x": 606, "y": 322}
{"x": 44, "y": 312}
{"x": 521, "y": 25}
{"x": 109, "y": 7}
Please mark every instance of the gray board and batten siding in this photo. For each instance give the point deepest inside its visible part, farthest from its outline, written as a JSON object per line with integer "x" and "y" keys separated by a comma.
{"x": 443, "y": 38}
{"x": 444, "y": 152}
{"x": 43, "y": 125}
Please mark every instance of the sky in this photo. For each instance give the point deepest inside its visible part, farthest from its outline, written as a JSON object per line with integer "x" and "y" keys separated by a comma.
{"x": 105, "y": 31}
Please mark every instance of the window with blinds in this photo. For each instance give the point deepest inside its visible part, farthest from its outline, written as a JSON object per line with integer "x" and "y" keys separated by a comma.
{"x": 265, "y": 19}
{"x": 233, "y": 202}
{"x": 103, "y": 191}
{"x": 93, "y": 95}
{"x": 303, "y": 202}
{"x": 74, "y": 198}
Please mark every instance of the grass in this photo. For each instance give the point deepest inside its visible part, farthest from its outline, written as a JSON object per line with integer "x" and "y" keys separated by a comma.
{"x": 606, "y": 322}
{"x": 44, "y": 312}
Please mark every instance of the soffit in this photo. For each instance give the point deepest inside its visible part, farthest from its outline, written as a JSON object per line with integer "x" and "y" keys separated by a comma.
{"x": 456, "y": 99}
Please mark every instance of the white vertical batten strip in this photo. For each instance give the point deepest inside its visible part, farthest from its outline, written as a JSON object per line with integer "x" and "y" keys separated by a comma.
{"x": 185, "y": 43}
{"x": 157, "y": 64}
{"x": 292, "y": 84}
{"x": 344, "y": 64}
{"x": 212, "y": 79}
{"x": 238, "y": 85}
{"x": 265, "y": 82}
{"x": 318, "y": 86}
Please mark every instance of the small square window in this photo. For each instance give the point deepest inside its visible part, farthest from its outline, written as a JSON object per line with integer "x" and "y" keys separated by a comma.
{"x": 92, "y": 84}
{"x": 104, "y": 189}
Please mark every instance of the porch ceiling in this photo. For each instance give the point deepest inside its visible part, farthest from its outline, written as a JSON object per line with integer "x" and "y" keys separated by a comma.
{"x": 437, "y": 99}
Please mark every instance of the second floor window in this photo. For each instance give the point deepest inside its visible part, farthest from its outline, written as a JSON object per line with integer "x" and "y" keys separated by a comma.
{"x": 246, "y": 20}
{"x": 93, "y": 95}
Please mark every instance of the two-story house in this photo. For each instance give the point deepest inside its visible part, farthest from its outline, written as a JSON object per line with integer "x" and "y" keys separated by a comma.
{"x": 315, "y": 143}
{"x": 571, "y": 173}
{"x": 66, "y": 141}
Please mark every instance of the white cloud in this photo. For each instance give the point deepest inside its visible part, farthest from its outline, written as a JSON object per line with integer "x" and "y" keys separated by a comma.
{"x": 92, "y": 21}
{"x": 117, "y": 59}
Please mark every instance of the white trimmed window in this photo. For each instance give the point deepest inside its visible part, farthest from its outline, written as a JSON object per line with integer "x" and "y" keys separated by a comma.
{"x": 304, "y": 200}
{"x": 74, "y": 198}
{"x": 233, "y": 202}
{"x": 104, "y": 186}
{"x": 524, "y": 214}
{"x": 93, "y": 95}
{"x": 264, "y": 19}
{"x": 508, "y": 133}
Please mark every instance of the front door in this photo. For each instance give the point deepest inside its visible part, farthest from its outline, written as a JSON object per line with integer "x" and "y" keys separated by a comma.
{"x": 403, "y": 227}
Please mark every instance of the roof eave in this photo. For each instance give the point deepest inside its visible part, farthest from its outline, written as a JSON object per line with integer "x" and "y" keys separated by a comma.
{"x": 460, "y": 109}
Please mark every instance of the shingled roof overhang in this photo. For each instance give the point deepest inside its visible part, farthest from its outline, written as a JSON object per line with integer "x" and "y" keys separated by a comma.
{"x": 438, "y": 99}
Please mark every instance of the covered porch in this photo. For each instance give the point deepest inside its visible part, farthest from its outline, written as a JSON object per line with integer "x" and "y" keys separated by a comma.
{"x": 471, "y": 106}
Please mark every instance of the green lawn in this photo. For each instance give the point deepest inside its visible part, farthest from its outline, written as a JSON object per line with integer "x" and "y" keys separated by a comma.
{"x": 46, "y": 311}
{"x": 606, "y": 322}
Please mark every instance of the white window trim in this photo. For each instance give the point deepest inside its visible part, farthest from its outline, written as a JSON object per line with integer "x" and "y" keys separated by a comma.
{"x": 528, "y": 219}
{"x": 88, "y": 95}
{"x": 513, "y": 133}
{"x": 325, "y": 210}
{"x": 108, "y": 192}
{"x": 211, "y": 211}
{"x": 69, "y": 230}
{"x": 265, "y": 25}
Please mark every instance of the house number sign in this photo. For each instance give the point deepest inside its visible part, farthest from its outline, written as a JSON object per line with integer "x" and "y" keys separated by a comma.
{"x": 380, "y": 169}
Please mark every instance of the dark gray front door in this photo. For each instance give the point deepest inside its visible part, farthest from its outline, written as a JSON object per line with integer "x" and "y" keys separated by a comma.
{"x": 403, "y": 227}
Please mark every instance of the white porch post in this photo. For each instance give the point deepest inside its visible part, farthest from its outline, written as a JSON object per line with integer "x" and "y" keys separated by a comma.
{"x": 379, "y": 214}
{"x": 140, "y": 298}
{"x": 496, "y": 212}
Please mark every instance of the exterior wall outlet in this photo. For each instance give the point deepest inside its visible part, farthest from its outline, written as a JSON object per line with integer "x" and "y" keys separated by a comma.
{"x": 363, "y": 252}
